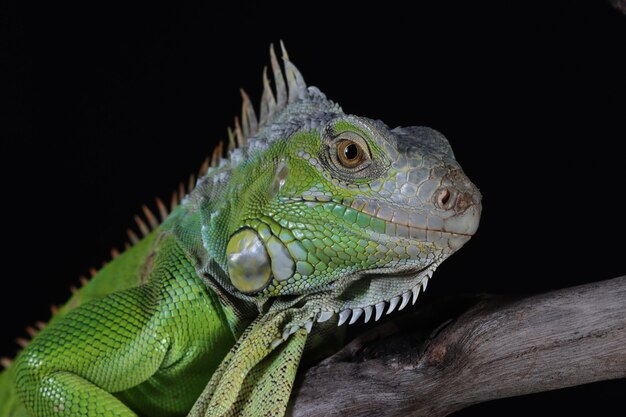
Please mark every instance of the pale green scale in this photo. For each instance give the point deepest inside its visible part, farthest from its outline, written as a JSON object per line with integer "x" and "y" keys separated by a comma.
{"x": 282, "y": 262}
{"x": 304, "y": 268}
{"x": 285, "y": 235}
{"x": 297, "y": 251}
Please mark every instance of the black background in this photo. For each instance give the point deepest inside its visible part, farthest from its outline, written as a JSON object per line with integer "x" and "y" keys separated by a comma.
{"x": 112, "y": 106}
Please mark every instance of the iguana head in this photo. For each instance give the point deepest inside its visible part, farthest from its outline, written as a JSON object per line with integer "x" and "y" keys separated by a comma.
{"x": 329, "y": 212}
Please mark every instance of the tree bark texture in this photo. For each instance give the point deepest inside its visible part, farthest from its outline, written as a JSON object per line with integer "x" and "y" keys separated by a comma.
{"x": 437, "y": 361}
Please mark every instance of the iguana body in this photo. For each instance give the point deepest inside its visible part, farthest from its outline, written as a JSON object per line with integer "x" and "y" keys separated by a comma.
{"x": 315, "y": 215}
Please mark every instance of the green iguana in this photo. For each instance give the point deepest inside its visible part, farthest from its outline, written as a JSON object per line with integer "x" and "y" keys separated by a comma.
{"x": 314, "y": 219}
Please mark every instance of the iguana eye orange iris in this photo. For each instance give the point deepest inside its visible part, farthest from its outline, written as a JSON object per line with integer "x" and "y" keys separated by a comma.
{"x": 350, "y": 153}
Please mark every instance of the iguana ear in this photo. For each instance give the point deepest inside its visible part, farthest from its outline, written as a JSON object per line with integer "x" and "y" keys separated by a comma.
{"x": 256, "y": 376}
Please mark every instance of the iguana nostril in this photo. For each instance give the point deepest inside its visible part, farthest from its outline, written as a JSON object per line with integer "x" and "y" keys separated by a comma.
{"x": 444, "y": 198}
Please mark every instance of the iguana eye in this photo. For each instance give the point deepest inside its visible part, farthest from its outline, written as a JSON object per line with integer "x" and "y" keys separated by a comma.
{"x": 349, "y": 153}
{"x": 351, "y": 150}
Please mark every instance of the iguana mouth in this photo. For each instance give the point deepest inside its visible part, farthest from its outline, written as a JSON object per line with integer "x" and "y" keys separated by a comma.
{"x": 392, "y": 220}
{"x": 413, "y": 224}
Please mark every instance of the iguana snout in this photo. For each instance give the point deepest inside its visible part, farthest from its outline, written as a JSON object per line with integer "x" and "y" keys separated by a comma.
{"x": 457, "y": 195}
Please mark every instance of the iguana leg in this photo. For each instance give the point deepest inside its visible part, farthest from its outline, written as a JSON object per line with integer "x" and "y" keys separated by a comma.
{"x": 255, "y": 378}
{"x": 106, "y": 346}
{"x": 67, "y": 394}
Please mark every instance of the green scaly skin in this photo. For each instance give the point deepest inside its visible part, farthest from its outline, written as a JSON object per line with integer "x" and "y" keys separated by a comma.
{"x": 317, "y": 218}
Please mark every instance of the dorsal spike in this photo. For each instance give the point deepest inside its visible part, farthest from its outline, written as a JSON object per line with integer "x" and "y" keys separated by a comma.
{"x": 181, "y": 191}
{"x": 263, "y": 110}
{"x": 73, "y": 289}
{"x": 143, "y": 227}
{"x": 54, "y": 309}
{"x": 245, "y": 127}
{"x": 40, "y": 325}
{"x": 132, "y": 236}
{"x": 297, "y": 86}
{"x": 241, "y": 141}
{"x": 248, "y": 116}
{"x": 284, "y": 50}
{"x": 268, "y": 102}
{"x": 204, "y": 167}
{"x": 83, "y": 280}
{"x": 152, "y": 220}
{"x": 5, "y": 362}
{"x": 216, "y": 157}
{"x": 21, "y": 342}
{"x": 232, "y": 142}
{"x": 173, "y": 201}
{"x": 92, "y": 272}
{"x": 190, "y": 185}
{"x": 295, "y": 81}
{"x": 162, "y": 209}
{"x": 32, "y": 332}
{"x": 279, "y": 81}
{"x": 220, "y": 147}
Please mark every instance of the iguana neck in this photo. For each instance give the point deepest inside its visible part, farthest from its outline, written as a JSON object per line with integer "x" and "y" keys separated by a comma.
{"x": 186, "y": 224}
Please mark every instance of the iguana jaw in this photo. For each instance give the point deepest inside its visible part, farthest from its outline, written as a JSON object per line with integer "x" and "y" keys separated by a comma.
{"x": 392, "y": 286}
{"x": 328, "y": 305}
{"x": 412, "y": 279}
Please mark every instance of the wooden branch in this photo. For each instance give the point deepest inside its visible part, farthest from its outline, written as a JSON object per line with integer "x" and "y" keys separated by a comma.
{"x": 499, "y": 347}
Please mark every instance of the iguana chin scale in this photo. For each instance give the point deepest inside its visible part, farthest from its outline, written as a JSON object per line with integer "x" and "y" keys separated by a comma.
{"x": 315, "y": 218}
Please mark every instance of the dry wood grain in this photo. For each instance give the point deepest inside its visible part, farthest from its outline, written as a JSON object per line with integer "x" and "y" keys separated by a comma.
{"x": 496, "y": 347}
